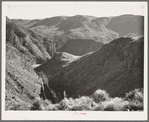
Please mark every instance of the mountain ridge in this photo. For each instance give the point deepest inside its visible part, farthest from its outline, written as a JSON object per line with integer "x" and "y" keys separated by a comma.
{"x": 112, "y": 61}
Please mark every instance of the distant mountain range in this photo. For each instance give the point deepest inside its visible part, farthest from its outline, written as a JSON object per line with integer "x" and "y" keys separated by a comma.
{"x": 102, "y": 29}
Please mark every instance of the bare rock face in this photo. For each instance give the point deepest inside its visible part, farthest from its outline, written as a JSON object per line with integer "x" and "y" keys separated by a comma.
{"x": 117, "y": 67}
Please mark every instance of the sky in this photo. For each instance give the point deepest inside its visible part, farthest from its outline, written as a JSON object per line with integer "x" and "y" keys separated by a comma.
{"x": 41, "y": 10}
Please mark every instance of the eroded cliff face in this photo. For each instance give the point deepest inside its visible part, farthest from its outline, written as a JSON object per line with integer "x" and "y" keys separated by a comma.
{"x": 23, "y": 50}
{"x": 22, "y": 85}
{"x": 117, "y": 68}
{"x": 26, "y": 41}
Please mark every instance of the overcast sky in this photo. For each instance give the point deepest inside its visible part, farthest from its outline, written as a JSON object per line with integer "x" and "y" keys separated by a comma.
{"x": 36, "y": 10}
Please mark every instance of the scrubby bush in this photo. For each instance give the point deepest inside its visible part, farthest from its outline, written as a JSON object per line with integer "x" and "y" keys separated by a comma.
{"x": 115, "y": 104}
{"x": 83, "y": 103}
{"x": 99, "y": 101}
{"x": 135, "y": 98}
{"x": 40, "y": 104}
{"x": 135, "y": 106}
{"x": 98, "y": 107}
{"x": 53, "y": 107}
{"x": 36, "y": 106}
{"x": 65, "y": 104}
{"x": 100, "y": 95}
{"x": 135, "y": 95}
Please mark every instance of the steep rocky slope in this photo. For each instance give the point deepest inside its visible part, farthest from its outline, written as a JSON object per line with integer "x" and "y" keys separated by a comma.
{"x": 117, "y": 67}
{"x": 22, "y": 84}
{"x": 26, "y": 41}
{"x": 23, "y": 49}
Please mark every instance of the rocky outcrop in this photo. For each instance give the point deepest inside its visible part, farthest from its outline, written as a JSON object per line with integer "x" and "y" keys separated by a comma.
{"x": 117, "y": 67}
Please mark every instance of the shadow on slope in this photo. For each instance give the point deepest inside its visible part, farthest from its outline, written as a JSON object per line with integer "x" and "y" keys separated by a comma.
{"x": 117, "y": 67}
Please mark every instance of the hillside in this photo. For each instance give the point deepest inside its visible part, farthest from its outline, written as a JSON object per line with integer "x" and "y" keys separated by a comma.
{"x": 22, "y": 85}
{"x": 50, "y": 21}
{"x": 80, "y": 46}
{"x": 24, "y": 22}
{"x": 58, "y": 31}
{"x": 77, "y": 27}
{"x": 127, "y": 25}
{"x": 117, "y": 67}
{"x": 23, "y": 49}
{"x": 26, "y": 41}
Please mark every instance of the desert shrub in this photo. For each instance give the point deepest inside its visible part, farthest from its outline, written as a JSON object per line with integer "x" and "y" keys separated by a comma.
{"x": 109, "y": 107}
{"x": 98, "y": 107}
{"x": 36, "y": 106}
{"x": 99, "y": 101}
{"x": 135, "y": 98}
{"x": 134, "y": 106}
{"x": 100, "y": 95}
{"x": 115, "y": 104}
{"x": 53, "y": 107}
{"x": 135, "y": 95}
{"x": 83, "y": 103}
{"x": 40, "y": 104}
{"x": 65, "y": 104}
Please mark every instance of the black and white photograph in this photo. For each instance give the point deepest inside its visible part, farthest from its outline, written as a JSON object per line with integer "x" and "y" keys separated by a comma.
{"x": 81, "y": 58}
